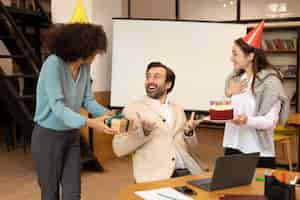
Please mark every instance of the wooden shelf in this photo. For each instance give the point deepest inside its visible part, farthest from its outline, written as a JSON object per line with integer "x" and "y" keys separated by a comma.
{"x": 281, "y": 46}
{"x": 289, "y": 77}
{"x": 292, "y": 51}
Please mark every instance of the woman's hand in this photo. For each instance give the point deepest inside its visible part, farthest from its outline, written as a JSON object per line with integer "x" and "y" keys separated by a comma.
{"x": 203, "y": 118}
{"x": 110, "y": 113}
{"x": 236, "y": 87}
{"x": 99, "y": 124}
{"x": 240, "y": 120}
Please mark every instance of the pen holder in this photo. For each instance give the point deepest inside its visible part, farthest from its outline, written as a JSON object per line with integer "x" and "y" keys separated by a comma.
{"x": 276, "y": 190}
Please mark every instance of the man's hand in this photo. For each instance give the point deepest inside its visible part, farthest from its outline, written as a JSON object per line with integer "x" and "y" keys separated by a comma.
{"x": 236, "y": 87}
{"x": 132, "y": 126}
{"x": 190, "y": 125}
{"x": 147, "y": 126}
{"x": 240, "y": 119}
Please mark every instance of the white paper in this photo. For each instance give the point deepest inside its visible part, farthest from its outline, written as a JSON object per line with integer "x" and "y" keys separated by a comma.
{"x": 162, "y": 194}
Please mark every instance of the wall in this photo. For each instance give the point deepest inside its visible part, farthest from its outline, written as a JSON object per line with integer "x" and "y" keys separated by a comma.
{"x": 124, "y": 8}
{"x": 153, "y": 9}
{"x": 62, "y": 11}
{"x": 102, "y": 13}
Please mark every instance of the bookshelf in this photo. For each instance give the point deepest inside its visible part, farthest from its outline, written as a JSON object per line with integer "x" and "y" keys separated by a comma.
{"x": 281, "y": 46}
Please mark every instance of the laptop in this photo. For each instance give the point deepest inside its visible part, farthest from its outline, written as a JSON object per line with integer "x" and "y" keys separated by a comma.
{"x": 230, "y": 171}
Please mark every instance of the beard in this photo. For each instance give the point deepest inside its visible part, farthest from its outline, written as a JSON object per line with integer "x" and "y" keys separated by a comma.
{"x": 155, "y": 92}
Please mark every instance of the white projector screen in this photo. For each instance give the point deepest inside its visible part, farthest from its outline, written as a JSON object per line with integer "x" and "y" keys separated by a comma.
{"x": 198, "y": 52}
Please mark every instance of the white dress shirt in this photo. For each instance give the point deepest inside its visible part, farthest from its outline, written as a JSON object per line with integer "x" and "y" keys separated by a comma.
{"x": 165, "y": 111}
{"x": 244, "y": 137}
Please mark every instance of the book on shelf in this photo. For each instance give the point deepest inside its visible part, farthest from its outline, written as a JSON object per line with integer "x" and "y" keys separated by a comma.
{"x": 291, "y": 71}
{"x": 269, "y": 45}
{"x": 287, "y": 71}
{"x": 294, "y": 43}
{"x": 278, "y": 44}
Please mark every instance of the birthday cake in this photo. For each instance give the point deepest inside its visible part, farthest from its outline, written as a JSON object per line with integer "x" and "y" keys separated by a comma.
{"x": 221, "y": 110}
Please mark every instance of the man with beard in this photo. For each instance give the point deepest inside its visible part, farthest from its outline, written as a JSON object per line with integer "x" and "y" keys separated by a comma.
{"x": 159, "y": 142}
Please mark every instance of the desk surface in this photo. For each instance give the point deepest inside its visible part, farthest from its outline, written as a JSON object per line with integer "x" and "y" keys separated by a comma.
{"x": 255, "y": 187}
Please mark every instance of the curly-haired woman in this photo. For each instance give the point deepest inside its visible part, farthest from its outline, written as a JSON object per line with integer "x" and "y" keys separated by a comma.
{"x": 64, "y": 86}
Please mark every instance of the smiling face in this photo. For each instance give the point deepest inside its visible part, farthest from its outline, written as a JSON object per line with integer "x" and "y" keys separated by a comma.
{"x": 239, "y": 59}
{"x": 156, "y": 85}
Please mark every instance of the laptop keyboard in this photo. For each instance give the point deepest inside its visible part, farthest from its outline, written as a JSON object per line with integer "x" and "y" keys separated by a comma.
{"x": 203, "y": 183}
{"x": 206, "y": 185}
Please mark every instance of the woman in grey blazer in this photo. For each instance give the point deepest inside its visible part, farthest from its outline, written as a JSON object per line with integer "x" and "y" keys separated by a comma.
{"x": 258, "y": 99}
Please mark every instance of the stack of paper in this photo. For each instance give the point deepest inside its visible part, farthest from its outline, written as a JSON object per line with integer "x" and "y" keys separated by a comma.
{"x": 162, "y": 194}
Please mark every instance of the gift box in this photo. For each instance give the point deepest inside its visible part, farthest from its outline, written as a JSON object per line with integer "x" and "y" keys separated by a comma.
{"x": 120, "y": 123}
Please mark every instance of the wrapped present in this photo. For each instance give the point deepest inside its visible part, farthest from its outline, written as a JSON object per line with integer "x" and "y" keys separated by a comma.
{"x": 120, "y": 123}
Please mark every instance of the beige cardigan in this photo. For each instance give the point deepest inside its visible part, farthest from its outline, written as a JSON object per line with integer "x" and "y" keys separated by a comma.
{"x": 154, "y": 155}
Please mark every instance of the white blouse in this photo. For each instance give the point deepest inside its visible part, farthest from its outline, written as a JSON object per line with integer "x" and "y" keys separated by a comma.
{"x": 244, "y": 137}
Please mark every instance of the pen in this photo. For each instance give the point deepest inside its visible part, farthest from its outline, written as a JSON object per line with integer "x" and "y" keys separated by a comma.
{"x": 260, "y": 179}
{"x": 166, "y": 196}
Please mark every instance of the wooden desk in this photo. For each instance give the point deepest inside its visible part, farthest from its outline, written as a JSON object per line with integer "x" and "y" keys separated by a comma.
{"x": 255, "y": 187}
{"x": 294, "y": 120}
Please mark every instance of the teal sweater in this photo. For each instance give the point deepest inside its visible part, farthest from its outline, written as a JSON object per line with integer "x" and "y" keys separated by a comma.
{"x": 59, "y": 97}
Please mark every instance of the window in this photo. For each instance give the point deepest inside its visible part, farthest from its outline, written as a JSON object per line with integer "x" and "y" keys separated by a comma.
{"x": 211, "y": 10}
{"x": 269, "y": 9}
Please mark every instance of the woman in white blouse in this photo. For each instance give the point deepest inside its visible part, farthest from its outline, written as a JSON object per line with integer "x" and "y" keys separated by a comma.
{"x": 259, "y": 102}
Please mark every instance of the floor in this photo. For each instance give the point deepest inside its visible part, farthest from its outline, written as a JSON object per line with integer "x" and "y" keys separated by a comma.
{"x": 18, "y": 179}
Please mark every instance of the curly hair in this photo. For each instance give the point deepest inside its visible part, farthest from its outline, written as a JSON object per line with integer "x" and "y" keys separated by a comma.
{"x": 71, "y": 42}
